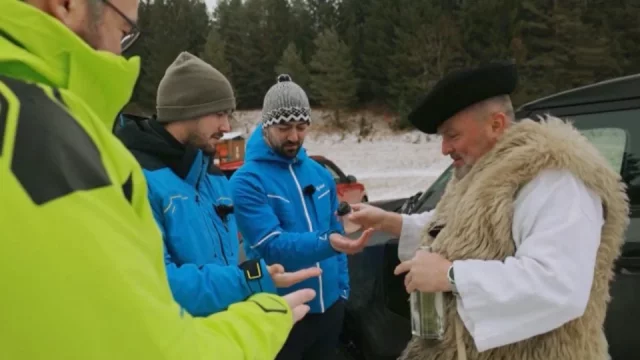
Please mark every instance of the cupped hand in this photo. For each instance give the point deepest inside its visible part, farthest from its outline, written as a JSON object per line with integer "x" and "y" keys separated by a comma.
{"x": 350, "y": 246}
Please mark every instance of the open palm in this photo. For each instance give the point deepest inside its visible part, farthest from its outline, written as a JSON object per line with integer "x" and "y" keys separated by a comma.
{"x": 284, "y": 279}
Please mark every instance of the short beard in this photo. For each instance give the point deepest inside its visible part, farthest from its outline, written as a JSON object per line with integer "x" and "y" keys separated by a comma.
{"x": 194, "y": 141}
{"x": 280, "y": 148}
{"x": 462, "y": 171}
{"x": 282, "y": 152}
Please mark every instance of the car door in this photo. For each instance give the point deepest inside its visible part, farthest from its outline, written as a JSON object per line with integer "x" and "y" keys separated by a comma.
{"x": 377, "y": 318}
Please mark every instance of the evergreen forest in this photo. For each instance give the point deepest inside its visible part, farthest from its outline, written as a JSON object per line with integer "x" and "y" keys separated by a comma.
{"x": 385, "y": 54}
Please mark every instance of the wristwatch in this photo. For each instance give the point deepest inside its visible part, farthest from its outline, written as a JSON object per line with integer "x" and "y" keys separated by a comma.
{"x": 452, "y": 280}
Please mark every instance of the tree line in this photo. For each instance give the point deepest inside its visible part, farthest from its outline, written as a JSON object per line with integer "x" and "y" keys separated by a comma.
{"x": 350, "y": 54}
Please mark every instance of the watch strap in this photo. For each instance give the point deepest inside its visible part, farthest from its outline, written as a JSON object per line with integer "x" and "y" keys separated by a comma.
{"x": 452, "y": 281}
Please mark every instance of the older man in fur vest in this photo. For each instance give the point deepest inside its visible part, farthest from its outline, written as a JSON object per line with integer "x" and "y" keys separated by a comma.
{"x": 527, "y": 230}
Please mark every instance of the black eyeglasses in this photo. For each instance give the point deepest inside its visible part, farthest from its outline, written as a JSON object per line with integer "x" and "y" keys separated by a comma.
{"x": 133, "y": 34}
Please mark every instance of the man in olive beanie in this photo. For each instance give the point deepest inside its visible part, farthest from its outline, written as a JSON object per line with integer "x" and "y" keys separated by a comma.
{"x": 192, "y": 88}
{"x": 190, "y": 196}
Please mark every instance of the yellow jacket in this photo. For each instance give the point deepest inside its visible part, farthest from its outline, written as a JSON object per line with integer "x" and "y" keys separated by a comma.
{"x": 82, "y": 264}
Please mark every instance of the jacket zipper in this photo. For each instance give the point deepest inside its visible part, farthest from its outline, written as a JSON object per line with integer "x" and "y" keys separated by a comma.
{"x": 204, "y": 171}
{"x": 224, "y": 255}
{"x": 198, "y": 188}
{"x": 306, "y": 213}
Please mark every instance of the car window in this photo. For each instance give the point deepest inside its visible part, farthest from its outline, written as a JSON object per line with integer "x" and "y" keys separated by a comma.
{"x": 430, "y": 198}
{"x": 629, "y": 120}
{"x": 611, "y": 142}
{"x": 616, "y": 134}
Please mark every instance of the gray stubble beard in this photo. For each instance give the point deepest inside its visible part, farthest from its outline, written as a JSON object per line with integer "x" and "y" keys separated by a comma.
{"x": 462, "y": 171}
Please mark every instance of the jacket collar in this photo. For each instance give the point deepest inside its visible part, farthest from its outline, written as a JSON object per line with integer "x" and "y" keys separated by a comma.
{"x": 259, "y": 150}
{"x": 190, "y": 162}
{"x": 48, "y": 52}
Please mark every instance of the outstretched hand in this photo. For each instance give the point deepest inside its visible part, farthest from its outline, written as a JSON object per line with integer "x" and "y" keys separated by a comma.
{"x": 367, "y": 216}
{"x": 298, "y": 300}
{"x": 284, "y": 279}
{"x": 349, "y": 246}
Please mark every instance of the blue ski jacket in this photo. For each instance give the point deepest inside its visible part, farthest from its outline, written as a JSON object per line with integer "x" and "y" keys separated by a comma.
{"x": 192, "y": 205}
{"x": 285, "y": 210}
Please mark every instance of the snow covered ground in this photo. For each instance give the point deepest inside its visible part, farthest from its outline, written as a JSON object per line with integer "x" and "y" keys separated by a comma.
{"x": 389, "y": 164}
{"x": 389, "y": 167}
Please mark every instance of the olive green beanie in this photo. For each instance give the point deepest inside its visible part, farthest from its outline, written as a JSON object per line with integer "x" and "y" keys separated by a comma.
{"x": 191, "y": 88}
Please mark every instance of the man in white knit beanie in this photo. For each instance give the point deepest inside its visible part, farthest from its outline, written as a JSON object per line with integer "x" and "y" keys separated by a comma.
{"x": 285, "y": 208}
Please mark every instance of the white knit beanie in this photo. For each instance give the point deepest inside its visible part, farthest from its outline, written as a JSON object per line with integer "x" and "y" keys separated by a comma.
{"x": 285, "y": 102}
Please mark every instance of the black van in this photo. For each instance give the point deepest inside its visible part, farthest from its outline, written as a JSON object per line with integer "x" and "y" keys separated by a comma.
{"x": 377, "y": 320}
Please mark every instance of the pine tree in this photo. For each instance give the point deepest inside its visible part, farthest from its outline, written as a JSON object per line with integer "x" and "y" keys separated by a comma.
{"x": 170, "y": 27}
{"x": 428, "y": 46}
{"x": 304, "y": 29}
{"x": 197, "y": 25}
{"x": 534, "y": 47}
{"x": 144, "y": 92}
{"x": 324, "y": 13}
{"x": 622, "y": 19}
{"x": 396, "y": 48}
{"x": 291, "y": 63}
{"x": 214, "y": 53}
{"x": 239, "y": 25}
{"x": 596, "y": 44}
{"x": 333, "y": 81}
{"x": 585, "y": 46}
{"x": 276, "y": 34}
{"x": 377, "y": 44}
{"x": 351, "y": 17}
{"x": 487, "y": 38}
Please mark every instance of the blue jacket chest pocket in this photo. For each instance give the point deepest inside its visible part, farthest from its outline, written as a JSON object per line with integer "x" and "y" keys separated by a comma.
{"x": 285, "y": 209}
{"x": 180, "y": 215}
{"x": 322, "y": 207}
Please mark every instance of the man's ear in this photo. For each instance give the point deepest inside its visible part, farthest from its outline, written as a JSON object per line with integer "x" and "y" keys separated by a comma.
{"x": 498, "y": 122}
{"x": 72, "y": 13}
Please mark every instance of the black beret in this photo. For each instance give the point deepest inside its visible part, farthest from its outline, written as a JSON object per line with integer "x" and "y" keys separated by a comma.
{"x": 460, "y": 89}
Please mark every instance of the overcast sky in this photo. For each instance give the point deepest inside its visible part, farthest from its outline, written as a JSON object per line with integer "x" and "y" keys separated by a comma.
{"x": 210, "y": 3}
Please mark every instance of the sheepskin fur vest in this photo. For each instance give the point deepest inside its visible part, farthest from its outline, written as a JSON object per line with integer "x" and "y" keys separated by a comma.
{"x": 476, "y": 213}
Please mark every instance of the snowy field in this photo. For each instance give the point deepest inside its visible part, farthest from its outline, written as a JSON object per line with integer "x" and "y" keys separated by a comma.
{"x": 390, "y": 165}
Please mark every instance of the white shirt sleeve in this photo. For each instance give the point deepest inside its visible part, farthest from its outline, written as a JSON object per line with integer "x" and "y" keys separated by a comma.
{"x": 556, "y": 228}
{"x": 411, "y": 233}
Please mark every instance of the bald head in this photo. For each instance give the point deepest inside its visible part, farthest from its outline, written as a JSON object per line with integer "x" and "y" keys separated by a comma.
{"x": 102, "y": 24}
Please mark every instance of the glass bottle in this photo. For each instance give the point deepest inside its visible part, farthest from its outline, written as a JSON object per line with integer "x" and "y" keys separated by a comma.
{"x": 427, "y": 313}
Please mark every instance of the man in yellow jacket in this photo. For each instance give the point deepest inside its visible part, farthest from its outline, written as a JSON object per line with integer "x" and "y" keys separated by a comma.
{"x": 82, "y": 267}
